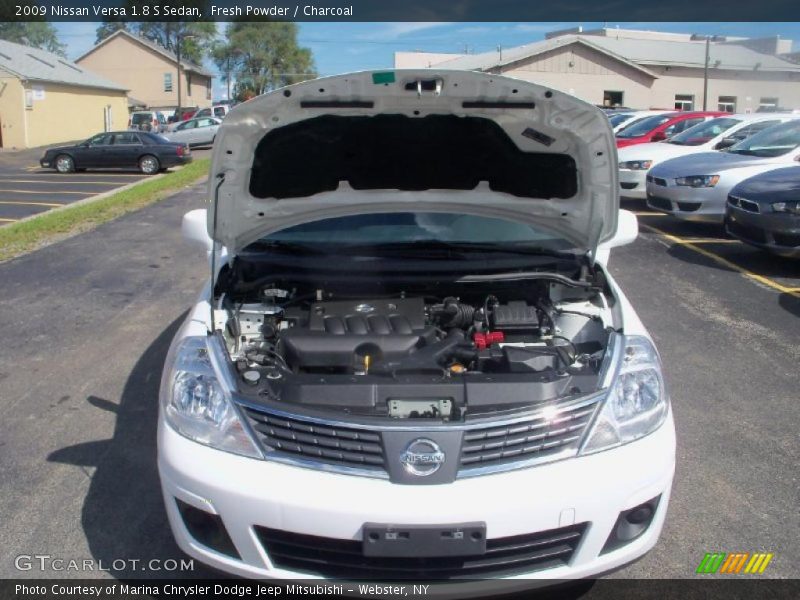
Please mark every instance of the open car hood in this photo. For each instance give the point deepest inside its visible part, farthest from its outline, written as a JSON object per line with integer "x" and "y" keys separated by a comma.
{"x": 410, "y": 141}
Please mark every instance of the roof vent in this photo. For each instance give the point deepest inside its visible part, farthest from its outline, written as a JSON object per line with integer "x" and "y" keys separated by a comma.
{"x": 73, "y": 67}
{"x": 44, "y": 62}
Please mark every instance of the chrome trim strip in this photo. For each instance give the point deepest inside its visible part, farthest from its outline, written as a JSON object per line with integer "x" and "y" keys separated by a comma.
{"x": 481, "y": 424}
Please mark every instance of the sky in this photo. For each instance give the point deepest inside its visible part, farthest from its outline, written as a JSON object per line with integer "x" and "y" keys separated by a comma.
{"x": 345, "y": 47}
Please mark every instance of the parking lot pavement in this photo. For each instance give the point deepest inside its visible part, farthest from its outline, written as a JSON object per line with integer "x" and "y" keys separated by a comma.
{"x": 91, "y": 318}
{"x": 26, "y": 189}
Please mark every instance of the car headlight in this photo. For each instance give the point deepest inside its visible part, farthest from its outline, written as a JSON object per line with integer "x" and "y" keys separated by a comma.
{"x": 636, "y": 165}
{"x": 698, "y": 181}
{"x": 636, "y": 404}
{"x": 792, "y": 207}
{"x": 195, "y": 402}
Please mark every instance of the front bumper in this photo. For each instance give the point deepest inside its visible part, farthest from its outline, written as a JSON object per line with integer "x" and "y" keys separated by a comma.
{"x": 249, "y": 493}
{"x": 632, "y": 184}
{"x": 776, "y": 232}
{"x": 687, "y": 203}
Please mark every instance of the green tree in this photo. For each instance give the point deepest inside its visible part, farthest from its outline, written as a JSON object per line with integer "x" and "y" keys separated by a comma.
{"x": 196, "y": 38}
{"x": 106, "y": 28}
{"x": 263, "y": 56}
{"x": 37, "y": 34}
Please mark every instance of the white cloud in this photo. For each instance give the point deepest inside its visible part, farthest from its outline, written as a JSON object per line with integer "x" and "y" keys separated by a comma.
{"x": 393, "y": 31}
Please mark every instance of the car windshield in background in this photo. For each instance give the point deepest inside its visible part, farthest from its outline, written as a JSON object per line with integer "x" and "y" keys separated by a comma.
{"x": 139, "y": 118}
{"x": 619, "y": 118}
{"x": 415, "y": 230}
{"x": 703, "y": 132}
{"x": 643, "y": 127}
{"x": 775, "y": 141}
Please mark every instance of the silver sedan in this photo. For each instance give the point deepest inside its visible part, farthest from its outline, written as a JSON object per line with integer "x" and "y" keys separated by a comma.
{"x": 195, "y": 132}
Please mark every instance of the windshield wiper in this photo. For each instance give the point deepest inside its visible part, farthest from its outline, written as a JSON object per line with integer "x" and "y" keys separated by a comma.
{"x": 440, "y": 248}
{"x": 284, "y": 247}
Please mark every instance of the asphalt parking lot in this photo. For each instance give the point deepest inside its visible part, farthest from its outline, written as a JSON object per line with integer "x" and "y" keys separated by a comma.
{"x": 26, "y": 189}
{"x": 91, "y": 318}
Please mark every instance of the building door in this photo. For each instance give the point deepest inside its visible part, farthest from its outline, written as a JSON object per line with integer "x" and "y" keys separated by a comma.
{"x": 612, "y": 99}
{"x": 1, "y": 131}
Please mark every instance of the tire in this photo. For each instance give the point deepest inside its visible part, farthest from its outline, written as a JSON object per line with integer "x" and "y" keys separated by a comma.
{"x": 64, "y": 164}
{"x": 149, "y": 165}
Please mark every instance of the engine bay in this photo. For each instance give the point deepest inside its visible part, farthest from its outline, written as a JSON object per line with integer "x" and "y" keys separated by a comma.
{"x": 483, "y": 348}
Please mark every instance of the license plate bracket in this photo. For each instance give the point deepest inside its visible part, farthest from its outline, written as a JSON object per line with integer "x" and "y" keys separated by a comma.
{"x": 454, "y": 539}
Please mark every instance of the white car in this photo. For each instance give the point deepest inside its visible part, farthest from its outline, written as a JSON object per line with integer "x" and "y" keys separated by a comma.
{"x": 716, "y": 134}
{"x": 412, "y": 359}
{"x": 194, "y": 132}
{"x": 696, "y": 187}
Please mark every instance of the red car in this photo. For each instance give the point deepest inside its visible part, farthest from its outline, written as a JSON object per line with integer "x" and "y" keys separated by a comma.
{"x": 660, "y": 127}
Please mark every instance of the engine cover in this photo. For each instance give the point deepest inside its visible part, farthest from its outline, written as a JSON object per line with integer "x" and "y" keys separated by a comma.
{"x": 340, "y": 334}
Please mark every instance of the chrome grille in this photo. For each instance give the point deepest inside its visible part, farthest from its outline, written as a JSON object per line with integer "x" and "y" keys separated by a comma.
{"x": 486, "y": 446}
{"x": 320, "y": 442}
{"x": 537, "y": 438}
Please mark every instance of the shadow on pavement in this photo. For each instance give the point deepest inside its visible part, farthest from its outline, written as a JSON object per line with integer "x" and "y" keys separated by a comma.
{"x": 123, "y": 514}
{"x": 790, "y": 304}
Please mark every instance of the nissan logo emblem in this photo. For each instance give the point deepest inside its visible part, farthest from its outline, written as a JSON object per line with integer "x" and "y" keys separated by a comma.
{"x": 422, "y": 457}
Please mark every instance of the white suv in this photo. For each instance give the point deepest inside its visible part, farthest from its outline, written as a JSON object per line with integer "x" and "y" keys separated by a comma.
{"x": 412, "y": 361}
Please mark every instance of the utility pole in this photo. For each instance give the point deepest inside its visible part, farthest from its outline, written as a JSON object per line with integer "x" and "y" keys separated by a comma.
{"x": 708, "y": 39}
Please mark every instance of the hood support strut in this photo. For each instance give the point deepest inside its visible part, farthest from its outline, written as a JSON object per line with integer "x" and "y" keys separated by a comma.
{"x": 212, "y": 323}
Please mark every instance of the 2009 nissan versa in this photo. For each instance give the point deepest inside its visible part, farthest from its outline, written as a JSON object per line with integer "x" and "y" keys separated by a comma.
{"x": 412, "y": 361}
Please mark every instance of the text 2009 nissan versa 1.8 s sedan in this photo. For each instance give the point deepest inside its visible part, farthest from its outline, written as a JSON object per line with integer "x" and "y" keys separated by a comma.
{"x": 413, "y": 362}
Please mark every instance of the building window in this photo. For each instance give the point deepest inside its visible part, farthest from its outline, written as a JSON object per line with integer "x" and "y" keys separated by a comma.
{"x": 612, "y": 98}
{"x": 188, "y": 84}
{"x": 727, "y": 104}
{"x": 167, "y": 82}
{"x": 29, "y": 99}
{"x": 684, "y": 102}
{"x": 767, "y": 104}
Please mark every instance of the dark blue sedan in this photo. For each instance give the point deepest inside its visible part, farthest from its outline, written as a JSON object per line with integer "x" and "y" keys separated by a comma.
{"x": 148, "y": 152}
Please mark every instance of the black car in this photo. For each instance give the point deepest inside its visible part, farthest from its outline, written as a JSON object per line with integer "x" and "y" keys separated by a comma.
{"x": 148, "y": 152}
{"x": 764, "y": 211}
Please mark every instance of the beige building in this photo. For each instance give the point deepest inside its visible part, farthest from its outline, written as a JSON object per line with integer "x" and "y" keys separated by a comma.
{"x": 643, "y": 69}
{"x": 149, "y": 71}
{"x": 45, "y": 99}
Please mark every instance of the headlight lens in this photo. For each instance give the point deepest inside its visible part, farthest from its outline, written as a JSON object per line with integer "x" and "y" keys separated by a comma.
{"x": 195, "y": 403}
{"x": 637, "y": 402}
{"x": 698, "y": 181}
{"x": 792, "y": 207}
{"x": 636, "y": 165}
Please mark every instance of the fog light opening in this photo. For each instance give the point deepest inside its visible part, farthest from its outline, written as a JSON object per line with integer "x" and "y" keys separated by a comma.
{"x": 207, "y": 529}
{"x": 631, "y": 524}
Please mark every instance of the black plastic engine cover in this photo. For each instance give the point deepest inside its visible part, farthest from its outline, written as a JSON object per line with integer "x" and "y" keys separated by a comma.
{"x": 339, "y": 334}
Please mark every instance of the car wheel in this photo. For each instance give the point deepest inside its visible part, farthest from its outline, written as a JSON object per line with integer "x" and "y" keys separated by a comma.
{"x": 64, "y": 164}
{"x": 149, "y": 165}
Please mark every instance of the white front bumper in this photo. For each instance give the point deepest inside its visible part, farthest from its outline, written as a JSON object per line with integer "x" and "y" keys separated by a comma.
{"x": 246, "y": 492}
{"x": 632, "y": 184}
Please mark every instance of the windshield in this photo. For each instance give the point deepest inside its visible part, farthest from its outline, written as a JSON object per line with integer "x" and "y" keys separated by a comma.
{"x": 644, "y": 126}
{"x": 139, "y": 118}
{"x": 774, "y": 141}
{"x": 619, "y": 118}
{"x": 703, "y": 132}
{"x": 421, "y": 229}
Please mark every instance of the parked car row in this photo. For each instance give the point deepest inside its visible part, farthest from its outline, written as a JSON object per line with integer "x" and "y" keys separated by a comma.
{"x": 740, "y": 170}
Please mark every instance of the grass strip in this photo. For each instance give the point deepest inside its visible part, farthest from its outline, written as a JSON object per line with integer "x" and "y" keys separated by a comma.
{"x": 22, "y": 237}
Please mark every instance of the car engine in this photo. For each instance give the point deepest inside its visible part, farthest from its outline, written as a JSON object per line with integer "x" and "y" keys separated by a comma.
{"x": 414, "y": 355}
